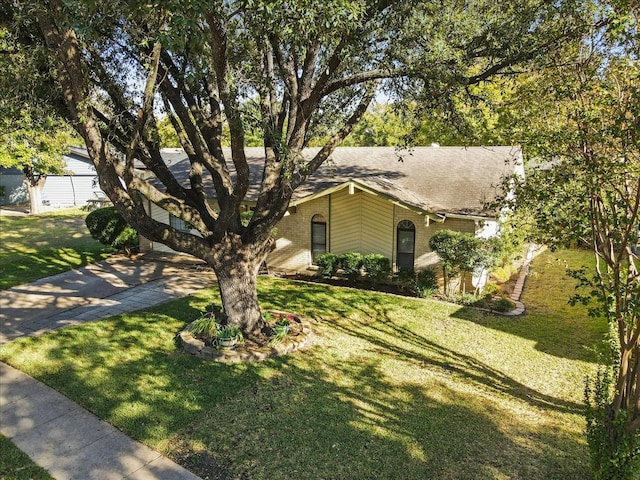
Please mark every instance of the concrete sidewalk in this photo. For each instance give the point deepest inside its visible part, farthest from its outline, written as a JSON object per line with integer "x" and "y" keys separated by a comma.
{"x": 59, "y": 435}
{"x": 70, "y": 442}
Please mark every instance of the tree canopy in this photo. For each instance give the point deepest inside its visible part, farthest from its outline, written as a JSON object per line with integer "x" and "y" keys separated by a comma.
{"x": 291, "y": 70}
{"x": 33, "y": 136}
{"x": 583, "y": 189}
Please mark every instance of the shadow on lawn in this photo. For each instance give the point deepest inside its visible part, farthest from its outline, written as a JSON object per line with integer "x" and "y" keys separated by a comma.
{"x": 349, "y": 421}
{"x": 309, "y": 415}
{"x": 435, "y": 357}
{"x": 40, "y": 246}
{"x": 22, "y": 267}
{"x": 556, "y": 327}
{"x": 426, "y": 354}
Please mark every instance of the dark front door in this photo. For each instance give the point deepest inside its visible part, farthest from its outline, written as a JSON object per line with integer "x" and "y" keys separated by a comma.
{"x": 406, "y": 244}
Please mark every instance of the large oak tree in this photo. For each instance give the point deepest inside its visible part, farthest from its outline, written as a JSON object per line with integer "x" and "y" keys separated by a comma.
{"x": 294, "y": 69}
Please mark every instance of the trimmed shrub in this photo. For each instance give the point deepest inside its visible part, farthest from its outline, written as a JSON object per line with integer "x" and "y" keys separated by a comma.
{"x": 490, "y": 289}
{"x": 406, "y": 277}
{"x": 461, "y": 254}
{"x": 426, "y": 282}
{"x": 351, "y": 263}
{"x": 109, "y": 227}
{"x": 328, "y": 264}
{"x": 377, "y": 267}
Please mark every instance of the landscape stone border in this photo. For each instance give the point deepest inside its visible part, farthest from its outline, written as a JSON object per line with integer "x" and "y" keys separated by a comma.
{"x": 290, "y": 344}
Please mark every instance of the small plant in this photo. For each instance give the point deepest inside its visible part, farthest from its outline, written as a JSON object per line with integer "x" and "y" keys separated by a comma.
{"x": 426, "y": 283}
{"x": 282, "y": 322}
{"x": 503, "y": 274}
{"x": 229, "y": 336}
{"x": 230, "y": 332}
{"x": 205, "y": 328}
{"x": 406, "y": 276}
{"x": 423, "y": 283}
{"x": 280, "y": 331}
{"x": 351, "y": 263}
{"x": 490, "y": 289}
{"x": 376, "y": 266}
{"x": 328, "y": 264}
{"x": 464, "y": 298}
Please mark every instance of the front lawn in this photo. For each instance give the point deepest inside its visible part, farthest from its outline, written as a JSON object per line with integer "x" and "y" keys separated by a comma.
{"x": 34, "y": 247}
{"x": 391, "y": 387}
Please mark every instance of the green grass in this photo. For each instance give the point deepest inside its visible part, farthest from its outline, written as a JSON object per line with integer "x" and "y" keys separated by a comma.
{"x": 34, "y": 247}
{"x": 391, "y": 387}
{"x": 16, "y": 465}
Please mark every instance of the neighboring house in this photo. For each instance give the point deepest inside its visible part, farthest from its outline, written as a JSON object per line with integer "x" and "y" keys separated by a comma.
{"x": 12, "y": 188}
{"x": 378, "y": 200}
{"x": 78, "y": 187}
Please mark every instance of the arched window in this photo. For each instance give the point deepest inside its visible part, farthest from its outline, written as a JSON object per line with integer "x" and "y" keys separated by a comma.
{"x": 406, "y": 244}
{"x": 318, "y": 236}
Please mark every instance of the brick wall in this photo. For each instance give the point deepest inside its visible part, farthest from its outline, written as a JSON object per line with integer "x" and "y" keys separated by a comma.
{"x": 293, "y": 237}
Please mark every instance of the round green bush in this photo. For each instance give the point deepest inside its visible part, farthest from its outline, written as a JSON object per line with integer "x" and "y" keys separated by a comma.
{"x": 377, "y": 267}
{"x": 328, "y": 264}
{"x": 351, "y": 263}
{"x": 109, "y": 227}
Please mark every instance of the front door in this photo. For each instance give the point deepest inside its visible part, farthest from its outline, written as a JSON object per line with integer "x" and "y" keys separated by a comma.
{"x": 406, "y": 244}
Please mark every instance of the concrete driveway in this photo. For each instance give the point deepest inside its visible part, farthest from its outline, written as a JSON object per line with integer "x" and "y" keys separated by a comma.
{"x": 106, "y": 288}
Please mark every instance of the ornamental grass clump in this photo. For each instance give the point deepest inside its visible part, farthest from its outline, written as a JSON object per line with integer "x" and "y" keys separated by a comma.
{"x": 280, "y": 331}
{"x": 211, "y": 328}
{"x": 206, "y": 328}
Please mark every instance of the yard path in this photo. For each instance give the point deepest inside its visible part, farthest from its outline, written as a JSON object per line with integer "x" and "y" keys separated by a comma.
{"x": 59, "y": 435}
{"x": 112, "y": 286}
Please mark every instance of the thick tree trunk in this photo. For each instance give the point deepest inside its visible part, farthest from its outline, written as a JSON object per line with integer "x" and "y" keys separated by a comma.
{"x": 34, "y": 189}
{"x": 236, "y": 265}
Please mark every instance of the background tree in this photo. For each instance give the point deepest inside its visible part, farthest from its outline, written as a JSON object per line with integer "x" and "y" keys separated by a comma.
{"x": 37, "y": 148}
{"x": 584, "y": 190}
{"x": 33, "y": 137}
{"x": 313, "y": 68}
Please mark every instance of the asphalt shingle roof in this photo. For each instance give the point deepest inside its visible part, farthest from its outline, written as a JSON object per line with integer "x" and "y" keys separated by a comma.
{"x": 441, "y": 180}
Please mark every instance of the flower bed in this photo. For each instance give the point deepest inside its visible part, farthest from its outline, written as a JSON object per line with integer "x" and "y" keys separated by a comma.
{"x": 253, "y": 348}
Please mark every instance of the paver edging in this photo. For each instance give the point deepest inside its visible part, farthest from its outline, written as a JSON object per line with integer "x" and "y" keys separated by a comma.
{"x": 519, "y": 287}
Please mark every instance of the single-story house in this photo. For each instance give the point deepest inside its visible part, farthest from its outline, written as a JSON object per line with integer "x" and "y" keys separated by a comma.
{"x": 78, "y": 186}
{"x": 378, "y": 200}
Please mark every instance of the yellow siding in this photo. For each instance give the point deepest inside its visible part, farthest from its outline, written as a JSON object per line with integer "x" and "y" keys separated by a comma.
{"x": 376, "y": 226}
{"x": 346, "y": 216}
{"x": 355, "y": 223}
{"x": 161, "y": 215}
{"x": 358, "y": 222}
